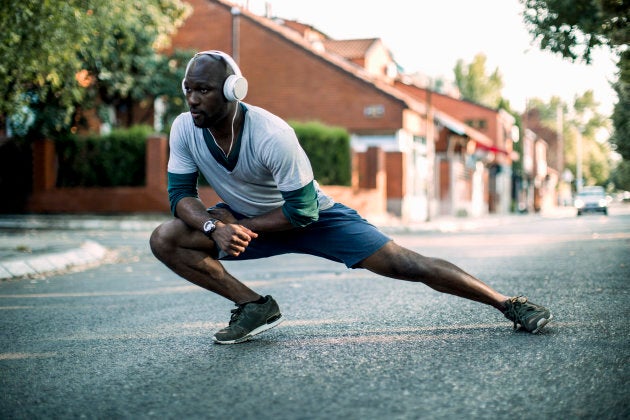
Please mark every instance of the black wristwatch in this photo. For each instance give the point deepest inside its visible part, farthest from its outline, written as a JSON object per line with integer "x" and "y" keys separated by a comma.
{"x": 209, "y": 227}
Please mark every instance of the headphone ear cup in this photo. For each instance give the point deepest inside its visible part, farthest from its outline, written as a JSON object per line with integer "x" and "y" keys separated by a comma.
{"x": 235, "y": 88}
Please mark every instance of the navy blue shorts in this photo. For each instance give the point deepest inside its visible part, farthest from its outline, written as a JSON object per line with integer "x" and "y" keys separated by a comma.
{"x": 340, "y": 234}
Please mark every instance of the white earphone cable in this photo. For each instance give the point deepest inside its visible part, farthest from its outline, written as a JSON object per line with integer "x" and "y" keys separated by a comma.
{"x": 232, "y": 138}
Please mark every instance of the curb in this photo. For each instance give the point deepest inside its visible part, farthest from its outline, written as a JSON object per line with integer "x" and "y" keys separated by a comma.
{"x": 79, "y": 223}
{"x": 88, "y": 253}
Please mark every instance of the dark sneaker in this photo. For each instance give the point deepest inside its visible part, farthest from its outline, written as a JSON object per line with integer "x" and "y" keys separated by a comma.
{"x": 248, "y": 320}
{"x": 528, "y": 315}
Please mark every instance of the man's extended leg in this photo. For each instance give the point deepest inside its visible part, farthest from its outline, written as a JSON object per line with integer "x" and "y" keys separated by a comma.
{"x": 395, "y": 261}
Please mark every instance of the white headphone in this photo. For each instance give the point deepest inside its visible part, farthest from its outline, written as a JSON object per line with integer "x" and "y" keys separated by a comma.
{"x": 235, "y": 86}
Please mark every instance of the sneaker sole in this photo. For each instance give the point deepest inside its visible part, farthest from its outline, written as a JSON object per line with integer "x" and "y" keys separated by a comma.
{"x": 541, "y": 323}
{"x": 270, "y": 324}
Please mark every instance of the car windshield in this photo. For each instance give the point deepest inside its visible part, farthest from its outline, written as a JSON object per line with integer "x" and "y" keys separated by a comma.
{"x": 591, "y": 194}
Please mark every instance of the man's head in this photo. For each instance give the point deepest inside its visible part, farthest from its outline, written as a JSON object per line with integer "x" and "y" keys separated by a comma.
{"x": 235, "y": 85}
{"x": 213, "y": 84}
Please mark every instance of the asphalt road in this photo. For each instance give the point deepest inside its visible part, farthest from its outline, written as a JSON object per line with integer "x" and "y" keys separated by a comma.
{"x": 132, "y": 340}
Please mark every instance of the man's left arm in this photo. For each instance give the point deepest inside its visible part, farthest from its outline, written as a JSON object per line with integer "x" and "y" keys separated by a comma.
{"x": 300, "y": 209}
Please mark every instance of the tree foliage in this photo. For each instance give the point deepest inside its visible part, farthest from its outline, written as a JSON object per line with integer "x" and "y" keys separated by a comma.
{"x": 477, "y": 86}
{"x": 57, "y": 54}
{"x": 621, "y": 114}
{"x": 620, "y": 176}
{"x": 574, "y": 29}
{"x": 581, "y": 122}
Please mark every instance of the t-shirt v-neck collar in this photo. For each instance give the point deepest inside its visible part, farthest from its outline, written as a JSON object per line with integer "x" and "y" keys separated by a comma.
{"x": 230, "y": 162}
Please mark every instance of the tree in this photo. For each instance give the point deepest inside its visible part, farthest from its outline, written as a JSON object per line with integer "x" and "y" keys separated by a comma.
{"x": 57, "y": 54}
{"x": 574, "y": 29}
{"x": 475, "y": 85}
{"x": 581, "y": 122}
{"x": 38, "y": 49}
{"x": 620, "y": 176}
{"x": 621, "y": 114}
{"x": 122, "y": 57}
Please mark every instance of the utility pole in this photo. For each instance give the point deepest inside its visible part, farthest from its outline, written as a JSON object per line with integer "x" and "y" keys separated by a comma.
{"x": 578, "y": 165}
{"x": 584, "y": 119}
{"x": 560, "y": 139}
{"x": 236, "y": 34}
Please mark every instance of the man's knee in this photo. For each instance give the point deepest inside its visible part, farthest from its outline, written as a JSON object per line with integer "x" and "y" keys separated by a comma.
{"x": 163, "y": 238}
{"x": 396, "y": 261}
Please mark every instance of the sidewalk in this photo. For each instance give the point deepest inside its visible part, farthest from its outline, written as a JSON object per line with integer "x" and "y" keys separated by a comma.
{"x": 462, "y": 224}
{"x": 24, "y": 254}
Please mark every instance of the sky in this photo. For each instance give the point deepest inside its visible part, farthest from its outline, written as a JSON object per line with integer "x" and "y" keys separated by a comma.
{"x": 430, "y": 36}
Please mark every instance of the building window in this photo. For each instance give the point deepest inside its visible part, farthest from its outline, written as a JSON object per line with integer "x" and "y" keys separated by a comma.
{"x": 477, "y": 124}
{"x": 374, "y": 111}
{"x": 420, "y": 145}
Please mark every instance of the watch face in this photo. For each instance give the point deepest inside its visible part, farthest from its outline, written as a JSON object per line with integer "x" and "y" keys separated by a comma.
{"x": 209, "y": 226}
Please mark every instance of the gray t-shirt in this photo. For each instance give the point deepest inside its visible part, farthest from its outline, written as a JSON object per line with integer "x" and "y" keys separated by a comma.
{"x": 271, "y": 160}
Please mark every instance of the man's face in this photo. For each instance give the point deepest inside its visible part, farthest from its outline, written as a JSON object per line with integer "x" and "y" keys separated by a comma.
{"x": 204, "y": 92}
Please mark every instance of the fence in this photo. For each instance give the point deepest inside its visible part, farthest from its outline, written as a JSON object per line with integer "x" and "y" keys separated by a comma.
{"x": 367, "y": 194}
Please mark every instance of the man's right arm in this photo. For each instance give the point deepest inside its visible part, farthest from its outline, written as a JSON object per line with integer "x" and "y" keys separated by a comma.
{"x": 185, "y": 204}
{"x": 233, "y": 238}
{"x": 184, "y": 199}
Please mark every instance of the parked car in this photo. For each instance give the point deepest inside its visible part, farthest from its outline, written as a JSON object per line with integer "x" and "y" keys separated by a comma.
{"x": 591, "y": 199}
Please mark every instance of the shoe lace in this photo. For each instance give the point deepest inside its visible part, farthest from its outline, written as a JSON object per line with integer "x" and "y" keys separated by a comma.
{"x": 517, "y": 309}
{"x": 236, "y": 313}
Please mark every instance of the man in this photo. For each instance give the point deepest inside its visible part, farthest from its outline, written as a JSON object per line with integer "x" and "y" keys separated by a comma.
{"x": 272, "y": 205}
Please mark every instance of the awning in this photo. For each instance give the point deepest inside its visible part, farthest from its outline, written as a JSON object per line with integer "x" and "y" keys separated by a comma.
{"x": 490, "y": 148}
{"x": 481, "y": 140}
{"x": 450, "y": 123}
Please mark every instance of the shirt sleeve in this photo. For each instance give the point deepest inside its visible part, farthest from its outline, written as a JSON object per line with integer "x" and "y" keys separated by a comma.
{"x": 181, "y": 138}
{"x": 182, "y": 171}
{"x": 180, "y": 186}
{"x": 301, "y": 206}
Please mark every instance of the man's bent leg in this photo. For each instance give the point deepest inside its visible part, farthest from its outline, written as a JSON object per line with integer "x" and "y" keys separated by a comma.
{"x": 191, "y": 255}
{"x": 395, "y": 261}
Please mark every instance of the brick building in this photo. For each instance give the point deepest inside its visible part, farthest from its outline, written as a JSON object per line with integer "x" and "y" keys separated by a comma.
{"x": 474, "y": 153}
{"x": 542, "y": 185}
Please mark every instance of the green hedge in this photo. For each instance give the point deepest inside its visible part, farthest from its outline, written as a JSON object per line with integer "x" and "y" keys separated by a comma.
{"x": 328, "y": 149}
{"x": 113, "y": 160}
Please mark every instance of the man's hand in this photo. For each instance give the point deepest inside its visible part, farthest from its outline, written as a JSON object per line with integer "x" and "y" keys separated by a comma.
{"x": 232, "y": 238}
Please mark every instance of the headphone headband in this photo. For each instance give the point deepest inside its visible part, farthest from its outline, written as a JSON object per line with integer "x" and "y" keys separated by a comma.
{"x": 229, "y": 60}
{"x": 235, "y": 86}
